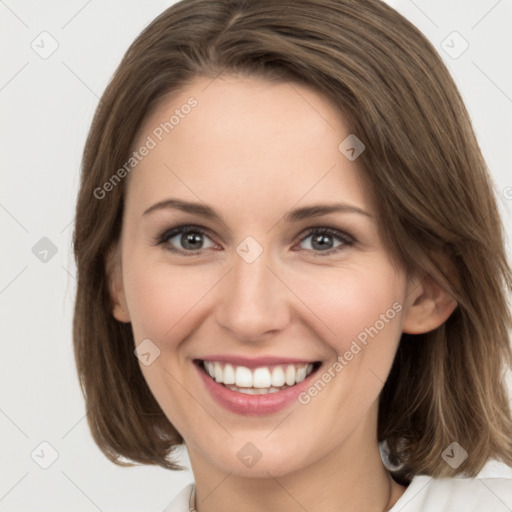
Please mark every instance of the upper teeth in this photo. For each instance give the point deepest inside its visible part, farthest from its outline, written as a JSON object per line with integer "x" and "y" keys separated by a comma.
{"x": 262, "y": 377}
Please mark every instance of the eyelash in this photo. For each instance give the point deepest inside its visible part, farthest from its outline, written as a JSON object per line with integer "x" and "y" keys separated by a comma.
{"x": 348, "y": 240}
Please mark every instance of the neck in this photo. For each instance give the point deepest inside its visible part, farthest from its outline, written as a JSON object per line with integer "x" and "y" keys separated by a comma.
{"x": 350, "y": 477}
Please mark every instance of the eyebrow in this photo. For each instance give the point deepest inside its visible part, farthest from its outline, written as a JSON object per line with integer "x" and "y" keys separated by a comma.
{"x": 295, "y": 215}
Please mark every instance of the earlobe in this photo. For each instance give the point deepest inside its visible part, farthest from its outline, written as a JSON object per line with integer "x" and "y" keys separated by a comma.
{"x": 114, "y": 276}
{"x": 428, "y": 306}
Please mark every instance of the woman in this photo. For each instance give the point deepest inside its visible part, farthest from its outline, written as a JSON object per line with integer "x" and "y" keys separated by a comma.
{"x": 290, "y": 260}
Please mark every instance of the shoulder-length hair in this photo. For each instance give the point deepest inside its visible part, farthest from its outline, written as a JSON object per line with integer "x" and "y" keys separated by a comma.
{"x": 432, "y": 193}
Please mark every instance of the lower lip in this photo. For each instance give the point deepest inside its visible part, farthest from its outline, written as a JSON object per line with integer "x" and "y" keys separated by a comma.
{"x": 253, "y": 405}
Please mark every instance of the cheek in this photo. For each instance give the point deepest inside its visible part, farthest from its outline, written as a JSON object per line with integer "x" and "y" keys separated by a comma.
{"x": 162, "y": 298}
{"x": 353, "y": 304}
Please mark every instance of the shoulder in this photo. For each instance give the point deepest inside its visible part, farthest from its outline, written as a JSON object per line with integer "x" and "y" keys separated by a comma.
{"x": 181, "y": 500}
{"x": 491, "y": 491}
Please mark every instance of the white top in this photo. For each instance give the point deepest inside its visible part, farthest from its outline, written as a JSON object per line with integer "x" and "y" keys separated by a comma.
{"x": 490, "y": 491}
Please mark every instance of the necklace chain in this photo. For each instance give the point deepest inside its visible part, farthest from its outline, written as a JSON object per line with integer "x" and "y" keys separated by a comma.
{"x": 192, "y": 501}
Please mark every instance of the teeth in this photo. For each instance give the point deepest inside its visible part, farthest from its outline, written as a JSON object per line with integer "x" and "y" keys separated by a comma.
{"x": 243, "y": 377}
{"x": 217, "y": 370}
{"x": 300, "y": 375}
{"x": 290, "y": 375}
{"x": 278, "y": 377}
{"x": 229, "y": 375}
{"x": 260, "y": 380}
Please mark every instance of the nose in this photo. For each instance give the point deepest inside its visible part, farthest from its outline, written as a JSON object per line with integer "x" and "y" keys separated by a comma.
{"x": 254, "y": 300}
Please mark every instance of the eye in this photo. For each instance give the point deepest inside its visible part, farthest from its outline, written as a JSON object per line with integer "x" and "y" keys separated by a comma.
{"x": 190, "y": 238}
{"x": 323, "y": 241}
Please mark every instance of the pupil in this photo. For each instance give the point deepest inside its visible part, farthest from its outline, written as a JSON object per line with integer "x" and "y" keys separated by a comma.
{"x": 323, "y": 241}
{"x": 191, "y": 238}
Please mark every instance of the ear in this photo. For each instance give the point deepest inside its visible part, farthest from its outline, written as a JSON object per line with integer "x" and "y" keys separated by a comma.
{"x": 114, "y": 274}
{"x": 428, "y": 305}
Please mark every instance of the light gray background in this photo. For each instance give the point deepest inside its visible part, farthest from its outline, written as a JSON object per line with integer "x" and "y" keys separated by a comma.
{"x": 47, "y": 106}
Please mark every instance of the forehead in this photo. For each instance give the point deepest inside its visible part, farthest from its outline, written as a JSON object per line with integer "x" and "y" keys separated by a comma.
{"x": 235, "y": 141}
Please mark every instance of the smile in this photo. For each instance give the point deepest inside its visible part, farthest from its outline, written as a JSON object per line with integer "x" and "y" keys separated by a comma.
{"x": 260, "y": 380}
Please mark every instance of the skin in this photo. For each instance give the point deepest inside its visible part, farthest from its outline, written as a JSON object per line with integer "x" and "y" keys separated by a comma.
{"x": 253, "y": 150}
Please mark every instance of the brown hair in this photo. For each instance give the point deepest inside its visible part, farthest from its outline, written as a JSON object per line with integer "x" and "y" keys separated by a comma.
{"x": 431, "y": 189}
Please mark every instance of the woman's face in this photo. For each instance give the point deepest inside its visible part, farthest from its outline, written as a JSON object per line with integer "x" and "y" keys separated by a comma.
{"x": 251, "y": 290}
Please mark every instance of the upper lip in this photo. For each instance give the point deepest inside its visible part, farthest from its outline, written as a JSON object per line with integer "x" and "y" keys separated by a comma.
{"x": 255, "y": 362}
